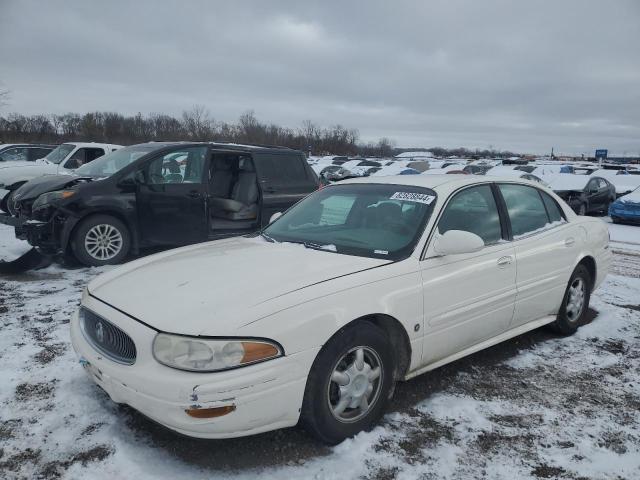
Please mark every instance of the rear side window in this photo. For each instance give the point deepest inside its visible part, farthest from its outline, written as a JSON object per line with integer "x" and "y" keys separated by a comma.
{"x": 526, "y": 209}
{"x": 283, "y": 168}
{"x": 555, "y": 214}
{"x": 473, "y": 210}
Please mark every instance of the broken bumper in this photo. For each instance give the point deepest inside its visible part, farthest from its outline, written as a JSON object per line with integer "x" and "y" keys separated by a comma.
{"x": 266, "y": 396}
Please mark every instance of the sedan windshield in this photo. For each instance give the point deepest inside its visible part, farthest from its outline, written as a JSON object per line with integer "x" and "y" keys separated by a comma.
{"x": 115, "y": 161}
{"x": 369, "y": 220}
{"x": 59, "y": 153}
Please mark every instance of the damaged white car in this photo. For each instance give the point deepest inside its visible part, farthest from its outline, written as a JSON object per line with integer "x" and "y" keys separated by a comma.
{"x": 358, "y": 286}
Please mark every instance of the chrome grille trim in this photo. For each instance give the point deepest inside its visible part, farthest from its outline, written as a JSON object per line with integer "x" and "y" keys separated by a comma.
{"x": 106, "y": 338}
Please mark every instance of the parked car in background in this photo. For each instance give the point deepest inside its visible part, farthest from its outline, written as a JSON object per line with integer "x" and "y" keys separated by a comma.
{"x": 394, "y": 170}
{"x": 23, "y": 153}
{"x": 623, "y": 182}
{"x": 477, "y": 169}
{"x": 64, "y": 159}
{"x": 626, "y": 209}
{"x": 584, "y": 193}
{"x": 359, "y": 167}
{"x": 159, "y": 194}
{"x": 506, "y": 171}
{"x": 362, "y": 284}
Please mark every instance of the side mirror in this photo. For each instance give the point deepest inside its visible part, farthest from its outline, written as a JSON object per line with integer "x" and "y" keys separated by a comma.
{"x": 274, "y": 217}
{"x": 455, "y": 242}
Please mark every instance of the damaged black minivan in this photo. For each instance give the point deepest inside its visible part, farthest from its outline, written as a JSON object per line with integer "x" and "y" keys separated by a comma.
{"x": 159, "y": 194}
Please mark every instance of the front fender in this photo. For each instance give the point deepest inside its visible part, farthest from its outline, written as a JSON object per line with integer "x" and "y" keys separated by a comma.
{"x": 309, "y": 317}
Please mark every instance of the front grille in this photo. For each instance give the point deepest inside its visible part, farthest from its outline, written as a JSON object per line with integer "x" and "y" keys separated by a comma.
{"x": 107, "y": 338}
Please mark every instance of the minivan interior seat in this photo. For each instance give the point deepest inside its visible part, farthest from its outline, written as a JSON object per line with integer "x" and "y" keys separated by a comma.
{"x": 243, "y": 204}
{"x": 221, "y": 178}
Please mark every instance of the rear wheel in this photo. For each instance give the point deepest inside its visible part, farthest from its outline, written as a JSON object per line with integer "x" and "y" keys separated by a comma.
{"x": 575, "y": 302}
{"x": 349, "y": 384}
{"x": 101, "y": 240}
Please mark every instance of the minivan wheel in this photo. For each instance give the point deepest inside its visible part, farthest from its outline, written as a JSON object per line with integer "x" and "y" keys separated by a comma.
{"x": 101, "y": 240}
{"x": 7, "y": 203}
{"x": 349, "y": 385}
{"x": 575, "y": 302}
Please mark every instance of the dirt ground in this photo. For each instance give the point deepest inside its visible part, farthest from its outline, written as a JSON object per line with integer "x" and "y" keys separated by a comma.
{"x": 537, "y": 406}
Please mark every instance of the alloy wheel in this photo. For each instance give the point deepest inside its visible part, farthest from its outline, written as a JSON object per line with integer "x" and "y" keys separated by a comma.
{"x": 103, "y": 242}
{"x": 355, "y": 384}
{"x": 575, "y": 299}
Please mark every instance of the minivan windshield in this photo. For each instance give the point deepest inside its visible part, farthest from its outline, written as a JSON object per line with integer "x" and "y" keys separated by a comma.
{"x": 113, "y": 162}
{"x": 368, "y": 220}
{"x": 59, "y": 153}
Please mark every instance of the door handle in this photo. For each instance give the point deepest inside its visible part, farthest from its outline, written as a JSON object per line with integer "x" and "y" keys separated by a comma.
{"x": 504, "y": 261}
{"x": 193, "y": 194}
{"x": 270, "y": 190}
{"x": 569, "y": 241}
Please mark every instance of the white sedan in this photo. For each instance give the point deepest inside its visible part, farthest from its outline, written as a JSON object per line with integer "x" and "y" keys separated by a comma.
{"x": 358, "y": 286}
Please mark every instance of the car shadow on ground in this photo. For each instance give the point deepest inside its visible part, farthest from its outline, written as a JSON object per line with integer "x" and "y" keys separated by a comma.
{"x": 293, "y": 445}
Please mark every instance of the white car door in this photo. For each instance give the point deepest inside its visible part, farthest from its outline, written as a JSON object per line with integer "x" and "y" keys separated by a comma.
{"x": 546, "y": 248}
{"x": 468, "y": 298}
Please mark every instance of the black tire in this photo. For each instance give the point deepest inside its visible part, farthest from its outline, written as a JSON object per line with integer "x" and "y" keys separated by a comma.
{"x": 7, "y": 201}
{"x": 78, "y": 241}
{"x": 317, "y": 415}
{"x": 567, "y": 323}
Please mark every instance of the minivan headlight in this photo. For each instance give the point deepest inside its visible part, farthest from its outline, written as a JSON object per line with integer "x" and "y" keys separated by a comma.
{"x": 47, "y": 198}
{"x": 204, "y": 355}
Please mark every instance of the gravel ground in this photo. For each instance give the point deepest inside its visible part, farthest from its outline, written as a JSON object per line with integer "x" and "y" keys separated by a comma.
{"x": 537, "y": 406}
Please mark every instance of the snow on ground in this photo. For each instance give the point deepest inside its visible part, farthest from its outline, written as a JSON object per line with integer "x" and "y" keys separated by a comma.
{"x": 10, "y": 246}
{"x": 538, "y": 406}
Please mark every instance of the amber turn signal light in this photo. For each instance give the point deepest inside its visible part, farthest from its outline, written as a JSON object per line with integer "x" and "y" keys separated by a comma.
{"x": 258, "y": 351}
{"x": 210, "y": 412}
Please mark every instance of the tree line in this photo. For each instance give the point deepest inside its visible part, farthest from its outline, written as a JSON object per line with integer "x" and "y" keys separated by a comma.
{"x": 197, "y": 124}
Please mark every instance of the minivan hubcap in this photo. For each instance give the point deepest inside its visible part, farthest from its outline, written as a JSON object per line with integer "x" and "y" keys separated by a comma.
{"x": 575, "y": 299}
{"x": 355, "y": 384}
{"x": 103, "y": 242}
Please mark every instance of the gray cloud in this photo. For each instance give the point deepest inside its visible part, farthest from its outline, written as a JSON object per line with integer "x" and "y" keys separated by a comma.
{"x": 450, "y": 73}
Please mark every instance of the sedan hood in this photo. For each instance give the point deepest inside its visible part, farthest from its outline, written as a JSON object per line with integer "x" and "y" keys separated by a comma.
{"x": 214, "y": 288}
{"x": 19, "y": 173}
{"x": 47, "y": 183}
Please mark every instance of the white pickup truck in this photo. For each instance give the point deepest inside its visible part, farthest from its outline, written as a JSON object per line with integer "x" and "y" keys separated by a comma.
{"x": 62, "y": 160}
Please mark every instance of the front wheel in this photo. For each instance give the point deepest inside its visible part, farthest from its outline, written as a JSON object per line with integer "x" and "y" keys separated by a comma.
{"x": 349, "y": 384}
{"x": 101, "y": 240}
{"x": 575, "y": 302}
{"x": 7, "y": 203}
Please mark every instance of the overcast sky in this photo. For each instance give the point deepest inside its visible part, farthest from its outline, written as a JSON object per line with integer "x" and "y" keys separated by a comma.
{"x": 516, "y": 75}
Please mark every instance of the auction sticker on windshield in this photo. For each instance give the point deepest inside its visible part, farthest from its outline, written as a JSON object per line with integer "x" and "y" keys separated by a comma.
{"x": 413, "y": 197}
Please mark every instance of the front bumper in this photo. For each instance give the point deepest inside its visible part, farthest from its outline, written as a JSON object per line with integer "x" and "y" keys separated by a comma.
{"x": 266, "y": 396}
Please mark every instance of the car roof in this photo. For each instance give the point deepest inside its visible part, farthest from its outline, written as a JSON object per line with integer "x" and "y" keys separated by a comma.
{"x": 435, "y": 181}
{"x": 226, "y": 146}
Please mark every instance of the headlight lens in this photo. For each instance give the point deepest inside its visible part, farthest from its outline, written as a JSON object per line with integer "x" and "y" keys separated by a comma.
{"x": 47, "y": 198}
{"x": 202, "y": 355}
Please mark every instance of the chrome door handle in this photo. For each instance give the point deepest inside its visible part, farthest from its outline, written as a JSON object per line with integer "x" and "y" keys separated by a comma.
{"x": 569, "y": 241}
{"x": 502, "y": 261}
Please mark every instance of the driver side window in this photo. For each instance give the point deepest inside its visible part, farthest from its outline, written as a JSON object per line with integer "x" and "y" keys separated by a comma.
{"x": 182, "y": 166}
{"x": 473, "y": 210}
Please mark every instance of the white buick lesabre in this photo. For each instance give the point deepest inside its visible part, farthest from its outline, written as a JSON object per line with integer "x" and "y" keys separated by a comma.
{"x": 359, "y": 285}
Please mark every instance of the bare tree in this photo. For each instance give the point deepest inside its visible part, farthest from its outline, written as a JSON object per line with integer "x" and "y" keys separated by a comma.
{"x": 4, "y": 97}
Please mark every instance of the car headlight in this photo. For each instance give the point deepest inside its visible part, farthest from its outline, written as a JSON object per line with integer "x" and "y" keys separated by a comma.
{"x": 204, "y": 355}
{"x": 48, "y": 198}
